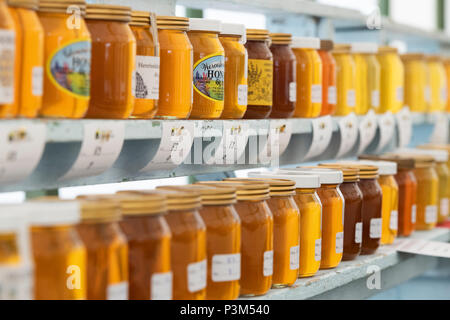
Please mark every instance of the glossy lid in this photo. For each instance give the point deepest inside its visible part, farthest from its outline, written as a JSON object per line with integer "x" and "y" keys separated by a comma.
{"x": 350, "y": 174}
{"x": 51, "y": 211}
{"x": 281, "y": 38}
{"x": 245, "y": 190}
{"x": 200, "y": 24}
{"x": 177, "y": 200}
{"x": 366, "y": 171}
{"x": 27, "y": 4}
{"x": 141, "y": 203}
{"x": 172, "y": 22}
{"x": 140, "y": 18}
{"x": 61, "y": 6}
{"x": 434, "y": 58}
{"x": 326, "y": 44}
{"x": 301, "y": 181}
{"x": 305, "y": 42}
{"x": 210, "y": 195}
{"x": 364, "y": 47}
{"x": 277, "y": 186}
{"x": 327, "y": 176}
{"x": 412, "y": 56}
{"x": 108, "y": 12}
{"x": 257, "y": 34}
{"x": 99, "y": 208}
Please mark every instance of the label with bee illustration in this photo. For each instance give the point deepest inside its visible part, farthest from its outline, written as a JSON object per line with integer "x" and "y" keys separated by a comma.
{"x": 208, "y": 76}
{"x": 146, "y": 84}
{"x": 260, "y": 82}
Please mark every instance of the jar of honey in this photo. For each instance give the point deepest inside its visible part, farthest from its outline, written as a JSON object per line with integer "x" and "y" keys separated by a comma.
{"x": 59, "y": 255}
{"x": 29, "y": 64}
{"x": 309, "y": 77}
{"x": 284, "y": 75}
{"x": 106, "y": 247}
{"x": 437, "y": 83}
{"x": 148, "y": 235}
{"x": 392, "y": 80}
{"x": 345, "y": 80}
{"x": 175, "y": 93}
{"x": 67, "y": 59}
{"x": 232, "y": 37}
{"x": 208, "y": 70}
{"x": 146, "y": 82}
{"x": 260, "y": 75}
{"x": 329, "y": 94}
{"x": 416, "y": 86}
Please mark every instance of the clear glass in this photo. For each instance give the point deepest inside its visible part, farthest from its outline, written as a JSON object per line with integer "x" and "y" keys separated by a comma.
{"x": 352, "y": 220}
{"x": 437, "y": 82}
{"x": 427, "y": 198}
{"x": 416, "y": 87}
{"x": 392, "y": 82}
{"x": 367, "y": 84}
{"x": 328, "y": 80}
{"x": 345, "y": 80}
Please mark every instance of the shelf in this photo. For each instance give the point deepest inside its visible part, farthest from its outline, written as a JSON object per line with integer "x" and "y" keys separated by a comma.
{"x": 348, "y": 280}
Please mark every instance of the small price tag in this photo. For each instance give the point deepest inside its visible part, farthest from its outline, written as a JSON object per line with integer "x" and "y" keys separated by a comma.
{"x": 358, "y": 232}
{"x": 234, "y": 141}
{"x": 322, "y": 129}
{"x": 316, "y": 93}
{"x": 440, "y": 132}
{"x": 280, "y": 132}
{"x": 161, "y": 284}
{"x": 348, "y": 128}
{"x": 414, "y": 213}
{"x": 424, "y": 247}
{"x": 268, "y": 263}
{"x": 117, "y": 291}
{"x": 386, "y": 123}
{"x": 196, "y": 276}
{"x": 404, "y": 125}
{"x": 226, "y": 267}
{"x": 431, "y": 215}
{"x": 294, "y": 257}
{"x": 367, "y": 130}
{"x": 443, "y": 208}
{"x": 101, "y": 146}
{"x": 21, "y": 149}
{"x": 375, "y": 228}
{"x": 332, "y": 95}
{"x": 393, "y": 221}
{"x": 318, "y": 250}
{"x": 339, "y": 242}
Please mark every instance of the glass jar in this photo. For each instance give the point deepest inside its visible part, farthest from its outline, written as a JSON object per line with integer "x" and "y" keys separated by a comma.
{"x": 106, "y": 247}
{"x": 208, "y": 69}
{"x": 232, "y": 38}
{"x": 59, "y": 255}
{"x": 447, "y": 73}
{"x": 29, "y": 64}
{"x": 8, "y": 56}
{"x": 260, "y": 75}
{"x": 345, "y": 80}
{"x": 175, "y": 93}
{"x": 67, "y": 59}
{"x": 392, "y": 80}
{"x": 309, "y": 77}
{"x": 146, "y": 84}
{"x": 149, "y": 253}
{"x": 328, "y": 78}
{"x": 284, "y": 74}
{"x": 437, "y": 83}
{"x": 416, "y": 86}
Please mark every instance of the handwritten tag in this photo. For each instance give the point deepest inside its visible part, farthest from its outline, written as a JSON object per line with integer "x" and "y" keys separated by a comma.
{"x": 404, "y": 125}
{"x": 101, "y": 146}
{"x": 176, "y": 142}
{"x": 234, "y": 141}
{"x": 322, "y": 129}
{"x": 280, "y": 132}
{"x": 348, "y": 128}
{"x": 424, "y": 247}
{"x": 440, "y": 131}
{"x": 367, "y": 130}
{"x": 386, "y": 123}
{"x": 21, "y": 149}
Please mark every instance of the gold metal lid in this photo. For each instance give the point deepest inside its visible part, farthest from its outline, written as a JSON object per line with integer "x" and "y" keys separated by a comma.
{"x": 177, "y": 200}
{"x": 406, "y": 163}
{"x": 387, "y": 49}
{"x": 26, "y": 4}
{"x": 351, "y": 174}
{"x": 257, "y": 34}
{"x": 435, "y": 146}
{"x": 412, "y": 56}
{"x": 365, "y": 171}
{"x": 108, "y": 12}
{"x": 210, "y": 195}
{"x": 420, "y": 160}
{"x": 140, "y": 18}
{"x": 341, "y": 48}
{"x": 172, "y": 22}
{"x": 326, "y": 45}
{"x": 433, "y": 58}
{"x": 277, "y": 187}
{"x": 99, "y": 208}
{"x": 61, "y": 6}
{"x": 281, "y": 38}
{"x": 133, "y": 203}
{"x": 244, "y": 190}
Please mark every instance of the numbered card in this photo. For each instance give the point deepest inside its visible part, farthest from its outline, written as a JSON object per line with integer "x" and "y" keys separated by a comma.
{"x": 404, "y": 125}
{"x": 440, "y": 132}
{"x": 367, "y": 130}
{"x": 386, "y": 123}
{"x": 101, "y": 146}
{"x": 424, "y": 247}
{"x": 234, "y": 140}
{"x": 279, "y": 135}
{"x": 322, "y": 130}
{"x": 348, "y": 128}
{"x": 21, "y": 149}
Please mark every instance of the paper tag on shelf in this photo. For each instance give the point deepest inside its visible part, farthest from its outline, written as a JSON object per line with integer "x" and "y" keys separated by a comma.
{"x": 431, "y": 214}
{"x": 294, "y": 257}
{"x": 177, "y": 138}
{"x": 339, "y": 242}
{"x": 161, "y": 286}
{"x": 234, "y": 140}
{"x": 226, "y": 267}
{"x": 348, "y": 128}
{"x": 318, "y": 250}
{"x": 101, "y": 146}
{"x": 375, "y": 228}
{"x": 443, "y": 209}
{"x": 393, "y": 221}
{"x": 280, "y": 132}
{"x": 440, "y": 131}
{"x": 424, "y": 247}
{"x": 196, "y": 276}
{"x": 358, "y": 232}
{"x": 21, "y": 149}
{"x": 117, "y": 291}
{"x": 404, "y": 125}
{"x": 322, "y": 130}
{"x": 386, "y": 123}
{"x": 367, "y": 130}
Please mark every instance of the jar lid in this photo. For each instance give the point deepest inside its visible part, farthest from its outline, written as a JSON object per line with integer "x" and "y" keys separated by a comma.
{"x": 257, "y": 34}
{"x": 251, "y": 190}
{"x": 364, "y": 47}
{"x": 305, "y": 42}
{"x": 234, "y": 29}
{"x": 133, "y": 203}
{"x": 108, "y": 12}
{"x": 301, "y": 181}
{"x": 277, "y": 186}
{"x": 435, "y": 146}
{"x": 99, "y": 208}
{"x": 61, "y": 6}
{"x": 327, "y": 176}
{"x": 420, "y": 160}
{"x": 403, "y": 163}
{"x": 172, "y": 22}
{"x": 433, "y": 58}
{"x": 350, "y": 174}
{"x": 342, "y": 48}
{"x": 438, "y": 155}
{"x": 326, "y": 45}
{"x": 210, "y": 195}
{"x": 179, "y": 200}
{"x": 387, "y": 49}
{"x": 27, "y": 4}
{"x": 200, "y": 24}
{"x": 366, "y": 171}
{"x": 52, "y": 211}
{"x": 13, "y": 216}
{"x": 412, "y": 56}
{"x": 385, "y": 168}
{"x": 281, "y": 38}
{"x": 140, "y": 18}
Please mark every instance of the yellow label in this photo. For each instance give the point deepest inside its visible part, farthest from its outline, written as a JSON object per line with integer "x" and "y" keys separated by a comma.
{"x": 260, "y": 82}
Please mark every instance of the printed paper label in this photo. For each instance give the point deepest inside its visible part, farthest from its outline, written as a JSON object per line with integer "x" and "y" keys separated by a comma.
{"x": 351, "y": 98}
{"x": 316, "y": 93}
{"x": 268, "y": 263}
{"x": 375, "y": 228}
{"x": 358, "y": 232}
{"x": 431, "y": 214}
{"x": 339, "y": 242}
{"x": 443, "y": 92}
{"x": 16, "y": 283}
{"x": 318, "y": 250}
{"x": 443, "y": 209}
{"x": 332, "y": 95}
{"x": 7, "y": 57}
{"x": 348, "y": 127}
{"x": 234, "y": 140}
{"x": 413, "y": 213}
{"x": 427, "y": 94}
{"x": 260, "y": 82}
{"x": 196, "y": 276}
{"x": 117, "y": 291}
{"x": 386, "y": 123}
{"x": 208, "y": 79}
{"x": 280, "y": 133}
{"x": 322, "y": 129}
{"x": 399, "y": 94}
{"x": 294, "y": 257}
{"x": 393, "y": 221}
{"x": 37, "y": 81}
{"x": 242, "y": 94}
{"x": 226, "y": 267}
{"x": 375, "y": 98}
{"x": 146, "y": 84}
{"x": 161, "y": 284}
{"x": 404, "y": 125}
{"x": 367, "y": 130}
{"x": 293, "y": 91}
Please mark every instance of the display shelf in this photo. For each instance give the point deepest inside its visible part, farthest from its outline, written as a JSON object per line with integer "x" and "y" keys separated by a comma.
{"x": 349, "y": 279}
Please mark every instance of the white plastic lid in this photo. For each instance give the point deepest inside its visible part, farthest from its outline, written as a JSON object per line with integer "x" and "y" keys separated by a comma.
{"x": 438, "y": 155}
{"x": 327, "y": 176}
{"x": 233, "y": 29}
{"x": 200, "y": 24}
{"x": 301, "y": 180}
{"x": 384, "y": 167}
{"x": 364, "y": 47}
{"x": 53, "y": 213}
{"x": 12, "y": 217}
{"x": 305, "y": 42}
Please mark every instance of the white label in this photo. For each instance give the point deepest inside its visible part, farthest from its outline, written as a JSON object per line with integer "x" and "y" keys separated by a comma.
{"x": 146, "y": 78}
{"x": 322, "y": 129}
{"x": 351, "y": 98}
{"x": 424, "y": 247}
{"x": 21, "y": 149}
{"x": 431, "y": 214}
{"x": 196, "y": 276}
{"x": 386, "y": 123}
{"x": 316, "y": 93}
{"x": 443, "y": 209}
{"x": 404, "y": 125}
{"x": 242, "y": 94}
{"x": 280, "y": 133}
{"x": 293, "y": 91}
{"x": 393, "y": 221}
{"x": 101, "y": 146}
{"x": 7, "y": 56}
{"x": 226, "y": 267}
{"x": 268, "y": 263}
{"x": 413, "y": 213}
{"x": 37, "y": 81}
{"x": 367, "y": 130}
{"x": 358, "y": 232}
{"x": 234, "y": 140}
{"x": 399, "y": 94}
{"x": 375, "y": 228}
{"x": 444, "y": 94}
{"x": 161, "y": 284}
{"x": 318, "y": 250}
{"x": 16, "y": 283}
{"x": 117, "y": 291}
{"x": 427, "y": 94}
{"x": 375, "y": 98}
{"x": 294, "y": 257}
{"x": 348, "y": 128}
{"x": 339, "y": 242}
{"x": 332, "y": 95}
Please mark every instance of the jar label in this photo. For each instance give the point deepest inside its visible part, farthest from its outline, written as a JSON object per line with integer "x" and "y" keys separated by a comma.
{"x": 260, "y": 82}
{"x": 430, "y": 214}
{"x": 375, "y": 228}
{"x": 7, "y": 56}
{"x": 69, "y": 68}
{"x": 37, "y": 81}
{"x": 339, "y": 242}
{"x": 399, "y": 94}
{"x": 117, "y": 291}
{"x": 146, "y": 78}
{"x": 413, "y": 213}
{"x": 393, "y": 221}
{"x": 358, "y": 232}
{"x": 208, "y": 77}
{"x": 268, "y": 263}
{"x": 242, "y": 94}
{"x": 427, "y": 94}
{"x": 444, "y": 94}
{"x": 293, "y": 91}
{"x": 332, "y": 95}
{"x": 16, "y": 283}
{"x": 161, "y": 284}
{"x": 294, "y": 260}
{"x": 375, "y": 98}
{"x": 318, "y": 250}
{"x": 351, "y": 98}
{"x": 196, "y": 276}
{"x": 316, "y": 93}
{"x": 226, "y": 267}
{"x": 443, "y": 210}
